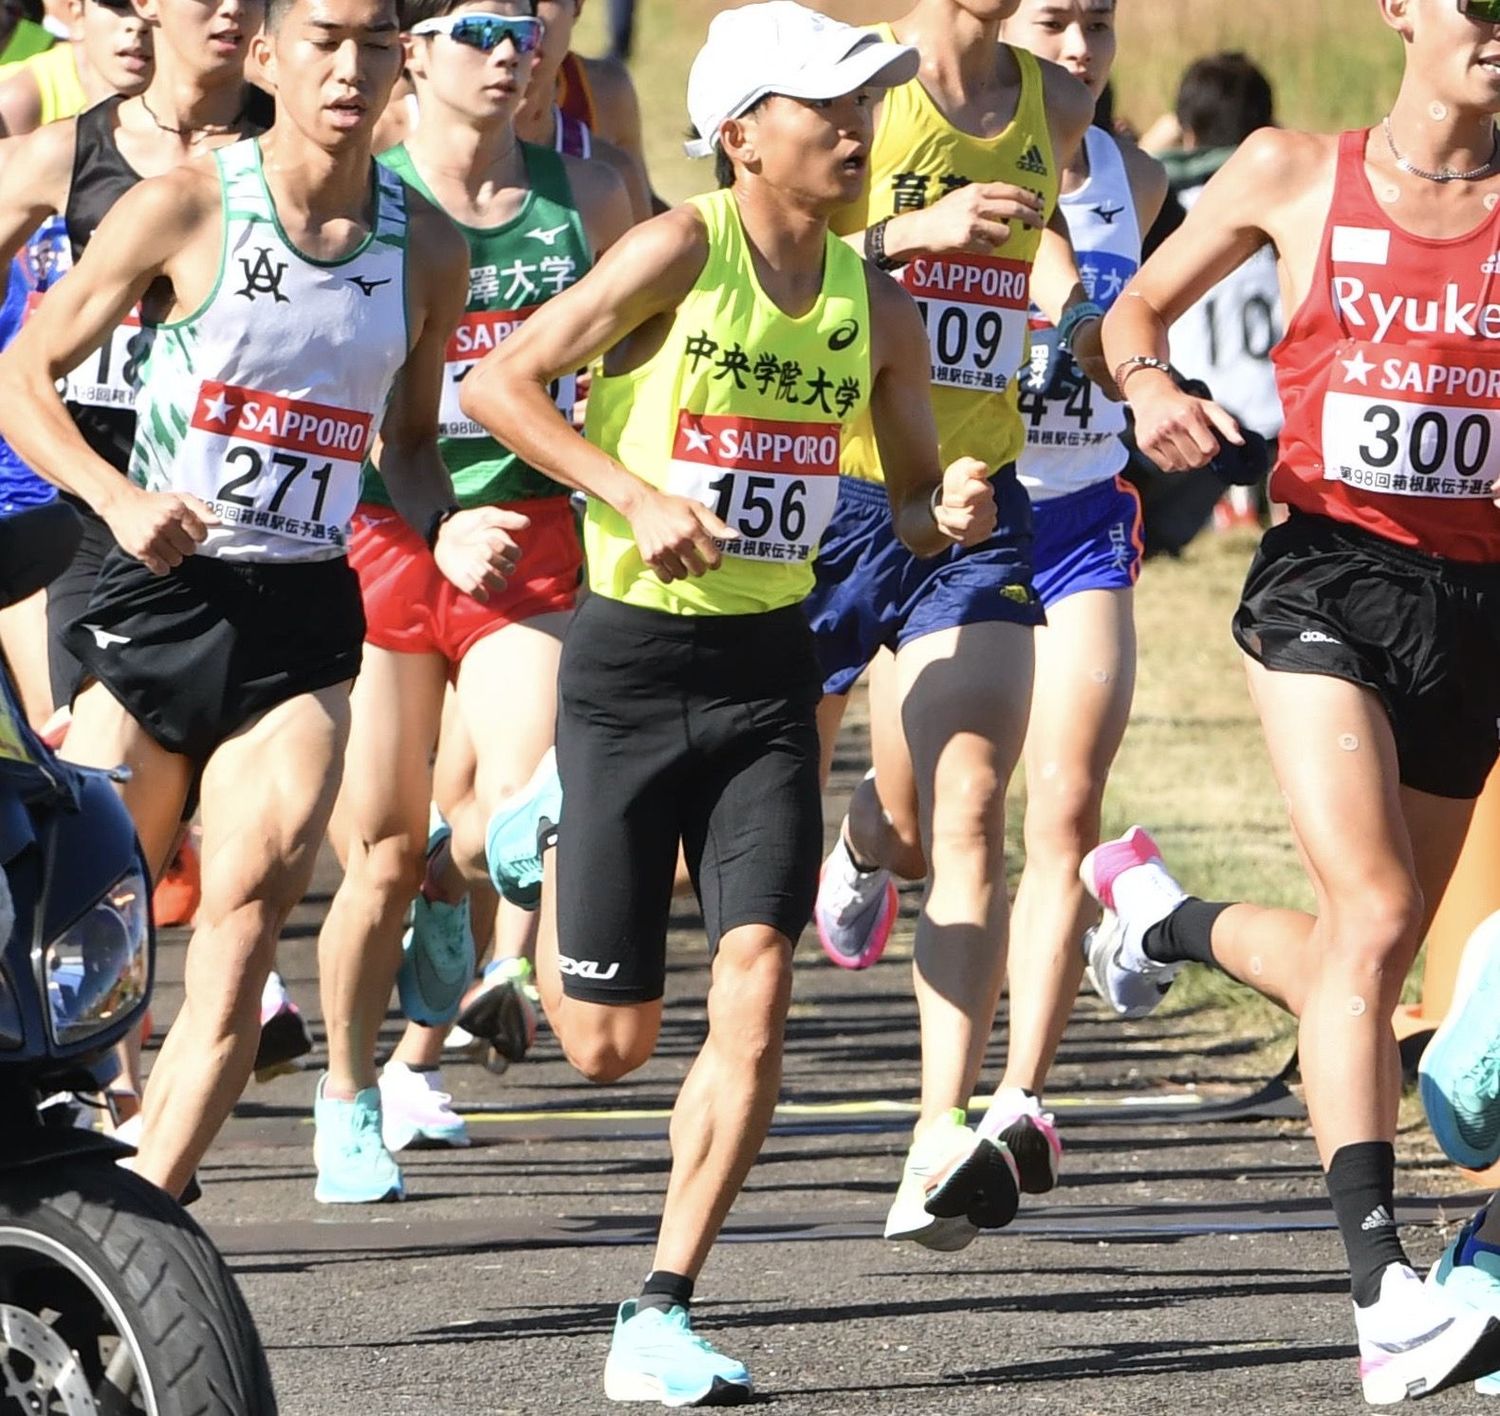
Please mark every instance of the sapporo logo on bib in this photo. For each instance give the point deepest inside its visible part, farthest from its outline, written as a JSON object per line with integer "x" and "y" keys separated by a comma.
{"x": 478, "y": 333}
{"x": 975, "y": 309}
{"x": 1411, "y": 422}
{"x": 273, "y": 463}
{"x": 109, "y": 378}
{"x": 775, "y": 482}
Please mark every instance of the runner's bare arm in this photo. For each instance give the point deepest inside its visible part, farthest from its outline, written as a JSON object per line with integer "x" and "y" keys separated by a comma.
{"x": 136, "y": 243}
{"x": 34, "y": 177}
{"x": 603, "y": 200}
{"x": 1226, "y": 226}
{"x": 644, "y": 276}
{"x": 474, "y": 549}
{"x": 931, "y": 509}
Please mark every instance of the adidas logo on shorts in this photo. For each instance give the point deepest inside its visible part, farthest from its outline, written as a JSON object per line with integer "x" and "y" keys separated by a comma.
{"x": 1378, "y": 1218}
{"x": 1032, "y": 161}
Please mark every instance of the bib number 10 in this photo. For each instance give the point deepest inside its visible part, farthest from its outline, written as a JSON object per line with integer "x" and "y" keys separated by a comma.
{"x": 240, "y": 490}
{"x": 750, "y": 504}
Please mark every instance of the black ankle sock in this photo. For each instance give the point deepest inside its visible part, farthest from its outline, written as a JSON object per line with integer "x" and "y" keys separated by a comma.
{"x": 1362, "y": 1185}
{"x": 664, "y": 1290}
{"x": 1185, "y": 935}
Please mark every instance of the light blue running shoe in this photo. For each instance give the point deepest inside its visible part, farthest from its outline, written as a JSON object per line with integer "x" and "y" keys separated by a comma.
{"x": 1459, "y": 1074}
{"x": 657, "y": 1356}
{"x": 1469, "y": 1275}
{"x": 437, "y": 952}
{"x": 512, "y": 841}
{"x": 354, "y": 1167}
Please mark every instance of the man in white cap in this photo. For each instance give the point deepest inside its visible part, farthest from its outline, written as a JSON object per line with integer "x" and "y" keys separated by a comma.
{"x": 738, "y": 338}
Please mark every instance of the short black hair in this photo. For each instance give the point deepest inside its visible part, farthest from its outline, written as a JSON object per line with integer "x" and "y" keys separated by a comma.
{"x": 413, "y": 12}
{"x": 1223, "y": 99}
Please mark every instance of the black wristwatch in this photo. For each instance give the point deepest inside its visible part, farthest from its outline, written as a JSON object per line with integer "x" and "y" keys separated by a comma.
{"x": 875, "y": 246}
{"x": 436, "y": 524}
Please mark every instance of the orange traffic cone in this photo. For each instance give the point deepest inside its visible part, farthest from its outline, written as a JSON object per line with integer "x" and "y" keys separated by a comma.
{"x": 1472, "y": 896}
{"x": 181, "y": 886}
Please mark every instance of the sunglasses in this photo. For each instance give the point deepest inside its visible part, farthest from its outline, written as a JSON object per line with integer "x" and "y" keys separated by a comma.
{"x": 488, "y": 32}
{"x": 1485, "y": 11}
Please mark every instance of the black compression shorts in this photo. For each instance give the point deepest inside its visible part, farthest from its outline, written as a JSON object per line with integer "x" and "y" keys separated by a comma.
{"x": 671, "y": 728}
{"x": 1421, "y": 632}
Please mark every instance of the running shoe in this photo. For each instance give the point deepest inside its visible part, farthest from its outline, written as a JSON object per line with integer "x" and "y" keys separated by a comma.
{"x": 1129, "y": 878}
{"x": 656, "y": 1356}
{"x": 354, "y": 1167}
{"x": 1468, "y": 1272}
{"x": 283, "y": 1034}
{"x": 180, "y": 890}
{"x": 1416, "y": 1340}
{"x": 502, "y": 1010}
{"x": 416, "y": 1111}
{"x": 1016, "y": 1120}
{"x": 437, "y": 952}
{"x": 952, "y": 1185}
{"x": 513, "y": 840}
{"x": 1459, "y": 1074}
{"x": 856, "y": 909}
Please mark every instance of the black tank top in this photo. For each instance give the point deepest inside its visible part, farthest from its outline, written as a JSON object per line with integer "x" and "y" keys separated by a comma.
{"x": 101, "y": 176}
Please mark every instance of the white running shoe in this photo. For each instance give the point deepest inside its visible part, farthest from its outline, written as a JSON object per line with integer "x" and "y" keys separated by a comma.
{"x": 1017, "y": 1121}
{"x": 856, "y": 909}
{"x": 1414, "y": 1340}
{"x": 941, "y": 1163}
{"x": 1129, "y": 878}
{"x": 415, "y": 1110}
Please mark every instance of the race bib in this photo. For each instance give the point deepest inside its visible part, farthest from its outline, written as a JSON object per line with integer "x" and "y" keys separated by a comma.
{"x": 109, "y": 378}
{"x": 975, "y": 309}
{"x": 1059, "y": 402}
{"x": 477, "y": 334}
{"x": 776, "y": 483}
{"x": 268, "y": 463}
{"x": 1412, "y": 422}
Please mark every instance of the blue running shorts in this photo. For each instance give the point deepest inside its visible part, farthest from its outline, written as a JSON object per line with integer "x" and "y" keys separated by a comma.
{"x": 872, "y": 593}
{"x": 1090, "y": 539}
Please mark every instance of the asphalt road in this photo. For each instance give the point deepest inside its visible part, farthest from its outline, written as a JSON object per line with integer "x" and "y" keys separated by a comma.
{"x": 1186, "y": 1263}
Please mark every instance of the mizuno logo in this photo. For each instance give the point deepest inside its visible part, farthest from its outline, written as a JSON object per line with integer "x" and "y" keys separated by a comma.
{"x": 1107, "y": 214}
{"x": 547, "y": 235}
{"x": 367, "y": 287}
{"x": 587, "y": 968}
{"x": 104, "y": 638}
{"x": 1032, "y": 161}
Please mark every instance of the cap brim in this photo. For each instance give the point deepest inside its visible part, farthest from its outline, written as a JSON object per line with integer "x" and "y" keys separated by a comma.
{"x": 869, "y": 63}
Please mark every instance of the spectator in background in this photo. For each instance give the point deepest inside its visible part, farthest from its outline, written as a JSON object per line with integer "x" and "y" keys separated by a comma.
{"x": 21, "y": 33}
{"x": 621, "y": 29}
{"x": 1227, "y": 337}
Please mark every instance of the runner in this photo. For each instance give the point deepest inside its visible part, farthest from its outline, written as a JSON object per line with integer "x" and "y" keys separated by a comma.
{"x": 1086, "y": 557}
{"x": 963, "y": 194}
{"x": 110, "y": 53}
{"x": 741, "y": 336}
{"x": 1368, "y": 621}
{"x": 281, "y": 327}
{"x": 534, "y": 221}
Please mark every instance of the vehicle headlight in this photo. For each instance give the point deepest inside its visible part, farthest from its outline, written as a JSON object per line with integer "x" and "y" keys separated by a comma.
{"x": 97, "y": 969}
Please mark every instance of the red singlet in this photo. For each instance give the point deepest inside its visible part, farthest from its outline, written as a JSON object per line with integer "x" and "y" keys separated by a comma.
{"x": 1390, "y": 378}
{"x": 574, "y": 96}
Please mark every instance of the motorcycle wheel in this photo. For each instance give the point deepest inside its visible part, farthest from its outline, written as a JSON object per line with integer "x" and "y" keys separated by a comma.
{"x": 113, "y": 1302}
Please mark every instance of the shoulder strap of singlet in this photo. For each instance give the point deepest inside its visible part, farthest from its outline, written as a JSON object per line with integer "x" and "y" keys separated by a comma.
{"x": 574, "y": 95}
{"x": 1108, "y": 168}
{"x": 1031, "y": 103}
{"x": 247, "y": 198}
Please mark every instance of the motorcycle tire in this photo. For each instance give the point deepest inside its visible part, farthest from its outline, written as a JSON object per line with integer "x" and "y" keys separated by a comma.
{"x": 100, "y": 1266}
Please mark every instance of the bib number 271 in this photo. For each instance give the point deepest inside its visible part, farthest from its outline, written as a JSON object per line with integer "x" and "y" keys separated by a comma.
{"x": 241, "y": 489}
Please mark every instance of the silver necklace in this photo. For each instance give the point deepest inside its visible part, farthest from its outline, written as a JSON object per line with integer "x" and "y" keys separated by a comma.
{"x": 1447, "y": 174}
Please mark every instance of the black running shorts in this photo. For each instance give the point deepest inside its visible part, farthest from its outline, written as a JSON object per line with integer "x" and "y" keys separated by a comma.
{"x": 698, "y": 729}
{"x": 1422, "y": 632}
{"x": 66, "y": 598}
{"x": 196, "y": 654}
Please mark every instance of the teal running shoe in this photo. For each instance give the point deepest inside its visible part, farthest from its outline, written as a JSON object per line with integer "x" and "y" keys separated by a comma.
{"x": 513, "y": 841}
{"x": 437, "y": 953}
{"x": 657, "y": 1356}
{"x": 1469, "y": 1275}
{"x": 1459, "y": 1074}
{"x": 354, "y": 1167}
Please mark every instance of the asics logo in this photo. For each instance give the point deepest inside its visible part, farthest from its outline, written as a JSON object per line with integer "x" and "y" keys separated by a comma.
{"x": 587, "y": 968}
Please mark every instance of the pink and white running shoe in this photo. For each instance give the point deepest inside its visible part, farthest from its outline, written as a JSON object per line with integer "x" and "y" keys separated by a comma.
{"x": 1129, "y": 878}
{"x": 855, "y": 910}
{"x": 1030, "y": 1134}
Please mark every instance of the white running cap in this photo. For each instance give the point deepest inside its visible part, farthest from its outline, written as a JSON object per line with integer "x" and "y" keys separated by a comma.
{"x": 783, "y": 48}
